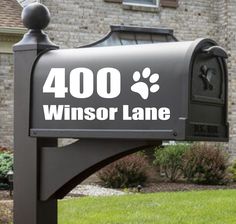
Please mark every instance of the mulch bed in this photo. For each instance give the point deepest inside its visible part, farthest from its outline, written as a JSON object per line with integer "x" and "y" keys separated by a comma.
{"x": 6, "y": 211}
{"x": 6, "y": 208}
{"x": 5, "y": 195}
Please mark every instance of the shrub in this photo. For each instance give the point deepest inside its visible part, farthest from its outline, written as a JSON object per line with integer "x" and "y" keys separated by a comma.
{"x": 169, "y": 159}
{"x": 232, "y": 170}
{"x": 3, "y": 149}
{"x": 205, "y": 164}
{"x": 129, "y": 171}
{"x": 6, "y": 164}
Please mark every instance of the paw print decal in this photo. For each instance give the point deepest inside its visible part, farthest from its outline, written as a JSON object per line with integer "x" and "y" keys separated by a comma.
{"x": 145, "y": 83}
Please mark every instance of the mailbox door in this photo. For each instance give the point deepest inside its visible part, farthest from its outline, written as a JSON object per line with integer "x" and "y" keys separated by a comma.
{"x": 208, "y": 94}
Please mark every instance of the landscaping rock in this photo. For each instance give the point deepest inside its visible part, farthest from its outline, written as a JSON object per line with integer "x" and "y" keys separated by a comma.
{"x": 94, "y": 190}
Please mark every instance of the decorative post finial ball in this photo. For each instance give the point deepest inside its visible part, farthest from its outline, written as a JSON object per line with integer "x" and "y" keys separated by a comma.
{"x": 35, "y": 16}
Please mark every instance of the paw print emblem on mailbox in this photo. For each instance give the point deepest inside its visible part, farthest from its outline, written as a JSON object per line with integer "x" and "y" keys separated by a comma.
{"x": 145, "y": 83}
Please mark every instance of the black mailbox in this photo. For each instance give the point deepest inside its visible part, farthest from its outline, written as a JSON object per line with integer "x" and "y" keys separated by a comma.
{"x": 162, "y": 91}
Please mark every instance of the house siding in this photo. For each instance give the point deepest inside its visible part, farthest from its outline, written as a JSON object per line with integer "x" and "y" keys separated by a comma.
{"x": 6, "y": 100}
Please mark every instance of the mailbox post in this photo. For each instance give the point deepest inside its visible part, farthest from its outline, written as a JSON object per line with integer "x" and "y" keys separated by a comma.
{"x": 27, "y": 206}
{"x": 115, "y": 100}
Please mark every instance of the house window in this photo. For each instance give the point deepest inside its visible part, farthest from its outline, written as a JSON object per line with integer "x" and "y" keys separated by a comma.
{"x": 139, "y": 5}
{"x": 150, "y": 3}
{"x": 24, "y": 3}
{"x": 141, "y": 2}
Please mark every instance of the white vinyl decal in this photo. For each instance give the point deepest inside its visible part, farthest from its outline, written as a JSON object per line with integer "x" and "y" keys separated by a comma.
{"x": 83, "y": 84}
{"x": 110, "y": 79}
{"x": 57, "y": 77}
{"x": 142, "y": 87}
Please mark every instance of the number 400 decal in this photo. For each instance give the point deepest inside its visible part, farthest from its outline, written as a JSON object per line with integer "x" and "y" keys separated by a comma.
{"x": 81, "y": 83}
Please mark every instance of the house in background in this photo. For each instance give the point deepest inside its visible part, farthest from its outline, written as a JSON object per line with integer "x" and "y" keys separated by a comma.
{"x": 75, "y": 23}
{"x": 11, "y": 31}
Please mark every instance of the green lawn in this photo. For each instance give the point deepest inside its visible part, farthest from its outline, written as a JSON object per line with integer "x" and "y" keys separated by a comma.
{"x": 199, "y": 207}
